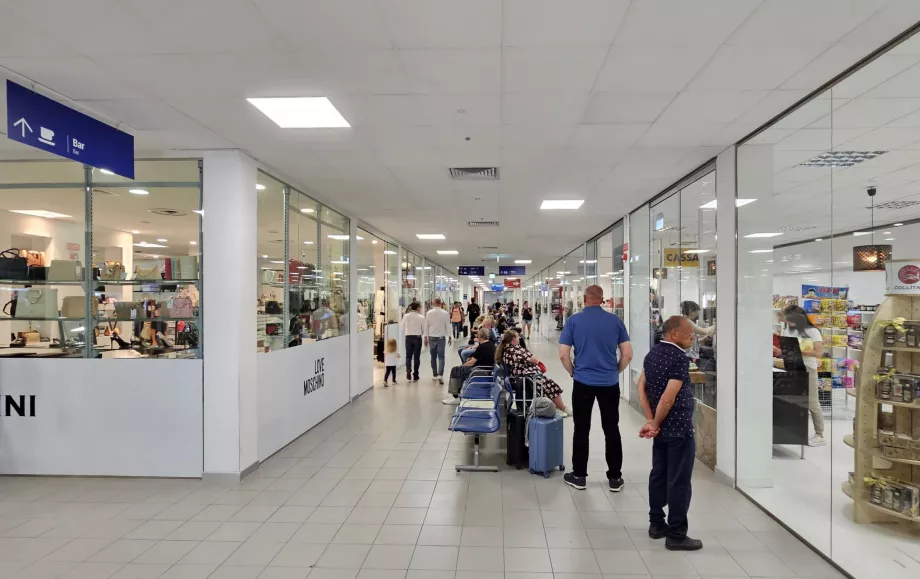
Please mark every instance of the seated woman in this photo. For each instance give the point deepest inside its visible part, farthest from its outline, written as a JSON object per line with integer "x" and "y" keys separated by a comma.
{"x": 521, "y": 362}
{"x": 466, "y": 351}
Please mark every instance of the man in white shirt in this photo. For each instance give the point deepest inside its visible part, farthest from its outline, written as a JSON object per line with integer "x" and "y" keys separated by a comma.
{"x": 437, "y": 333}
{"x": 413, "y": 327}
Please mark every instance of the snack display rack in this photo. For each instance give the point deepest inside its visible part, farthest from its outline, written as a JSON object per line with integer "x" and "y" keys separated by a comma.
{"x": 835, "y": 369}
{"x": 885, "y": 484}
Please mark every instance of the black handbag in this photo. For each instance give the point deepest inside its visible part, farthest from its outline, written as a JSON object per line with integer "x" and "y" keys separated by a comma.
{"x": 273, "y": 308}
{"x": 13, "y": 265}
{"x": 37, "y": 272}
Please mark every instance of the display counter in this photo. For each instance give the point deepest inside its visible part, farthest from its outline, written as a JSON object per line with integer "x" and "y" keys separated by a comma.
{"x": 83, "y": 417}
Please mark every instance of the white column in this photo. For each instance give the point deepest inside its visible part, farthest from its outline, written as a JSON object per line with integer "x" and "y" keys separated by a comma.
{"x": 754, "y": 353}
{"x": 228, "y": 304}
{"x": 625, "y": 379}
{"x": 726, "y": 312}
{"x": 354, "y": 345}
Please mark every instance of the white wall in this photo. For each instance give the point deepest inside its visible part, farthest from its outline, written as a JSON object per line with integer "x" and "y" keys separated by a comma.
{"x": 726, "y": 311}
{"x": 103, "y": 418}
{"x": 285, "y": 410}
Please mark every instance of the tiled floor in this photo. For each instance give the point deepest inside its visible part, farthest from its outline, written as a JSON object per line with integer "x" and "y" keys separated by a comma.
{"x": 371, "y": 493}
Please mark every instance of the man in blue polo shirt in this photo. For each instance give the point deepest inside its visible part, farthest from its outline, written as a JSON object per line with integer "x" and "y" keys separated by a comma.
{"x": 596, "y": 336}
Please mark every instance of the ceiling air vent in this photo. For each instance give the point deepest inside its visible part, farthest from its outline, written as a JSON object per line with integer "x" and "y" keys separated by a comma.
{"x": 895, "y": 204}
{"x": 474, "y": 173}
{"x": 840, "y": 158}
{"x": 483, "y": 223}
{"x": 168, "y": 212}
{"x": 791, "y": 228}
{"x": 488, "y": 247}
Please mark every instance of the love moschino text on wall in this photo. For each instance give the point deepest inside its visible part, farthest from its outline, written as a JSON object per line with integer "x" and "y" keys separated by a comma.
{"x": 17, "y": 405}
{"x": 316, "y": 382}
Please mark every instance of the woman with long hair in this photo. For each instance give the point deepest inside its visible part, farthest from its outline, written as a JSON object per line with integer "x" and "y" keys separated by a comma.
{"x": 520, "y": 362}
{"x": 812, "y": 345}
{"x": 691, "y": 310}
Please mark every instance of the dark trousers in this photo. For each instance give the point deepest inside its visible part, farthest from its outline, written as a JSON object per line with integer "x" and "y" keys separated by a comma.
{"x": 391, "y": 370}
{"x": 669, "y": 482}
{"x": 608, "y": 401}
{"x": 413, "y": 356}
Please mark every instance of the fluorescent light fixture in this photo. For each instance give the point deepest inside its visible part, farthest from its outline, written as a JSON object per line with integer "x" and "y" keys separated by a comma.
{"x": 276, "y": 261}
{"x": 306, "y": 210}
{"x": 265, "y": 257}
{"x": 260, "y": 187}
{"x": 448, "y": 252}
{"x": 525, "y": 261}
{"x": 40, "y": 213}
{"x": 889, "y": 239}
{"x": 106, "y": 172}
{"x": 374, "y": 241}
{"x": 819, "y": 239}
{"x": 562, "y": 203}
{"x": 138, "y": 192}
{"x": 738, "y": 203}
{"x": 339, "y": 262}
{"x": 769, "y": 261}
{"x": 389, "y": 252}
{"x": 886, "y": 233}
{"x": 337, "y": 237}
{"x": 430, "y": 235}
{"x": 761, "y": 251}
{"x": 861, "y": 233}
{"x": 161, "y": 240}
{"x": 898, "y": 224}
{"x": 755, "y": 235}
{"x": 301, "y": 112}
{"x": 135, "y": 232}
{"x": 145, "y": 244}
{"x": 697, "y": 251}
{"x": 193, "y": 243}
{"x": 308, "y": 243}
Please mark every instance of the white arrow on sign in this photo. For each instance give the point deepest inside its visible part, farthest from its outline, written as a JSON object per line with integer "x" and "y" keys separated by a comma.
{"x": 24, "y": 124}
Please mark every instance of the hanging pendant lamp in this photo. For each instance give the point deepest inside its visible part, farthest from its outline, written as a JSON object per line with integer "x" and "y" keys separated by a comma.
{"x": 871, "y": 257}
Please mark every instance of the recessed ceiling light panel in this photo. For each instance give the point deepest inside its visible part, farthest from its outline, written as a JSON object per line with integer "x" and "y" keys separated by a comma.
{"x": 430, "y": 236}
{"x": 40, "y": 213}
{"x": 301, "y": 112}
{"x": 562, "y": 203}
{"x": 448, "y": 252}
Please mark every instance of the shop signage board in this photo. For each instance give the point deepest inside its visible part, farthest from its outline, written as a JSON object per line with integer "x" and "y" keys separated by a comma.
{"x": 40, "y": 122}
{"x": 902, "y": 277}
{"x": 555, "y": 282}
{"x": 513, "y": 283}
{"x": 471, "y": 270}
{"x": 675, "y": 257}
{"x": 818, "y": 292}
{"x": 497, "y": 287}
{"x": 512, "y": 270}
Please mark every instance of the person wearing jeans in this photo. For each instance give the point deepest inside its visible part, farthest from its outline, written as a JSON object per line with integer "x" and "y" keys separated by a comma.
{"x": 596, "y": 336}
{"x": 413, "y": 327}
{"x": 666, "y": 397}
{"x": 456, "y": 319}
{"x": 437, "y": 333}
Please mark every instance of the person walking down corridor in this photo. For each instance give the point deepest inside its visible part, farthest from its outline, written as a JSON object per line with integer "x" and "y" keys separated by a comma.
{"x": 472, "y": 311}
{"x": 666, "y": 397}
{"x": 437, "y": 332}
{"x": 596, "y": 336}
{"x": 413, "y": 327}
{"x": 456, "y": 319}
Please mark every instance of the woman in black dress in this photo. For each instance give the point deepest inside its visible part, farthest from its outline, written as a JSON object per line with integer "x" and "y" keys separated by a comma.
{"x": 521, "y": 362}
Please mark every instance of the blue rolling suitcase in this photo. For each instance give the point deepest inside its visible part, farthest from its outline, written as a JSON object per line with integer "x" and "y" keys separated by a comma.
{"x": 546, "y": 442}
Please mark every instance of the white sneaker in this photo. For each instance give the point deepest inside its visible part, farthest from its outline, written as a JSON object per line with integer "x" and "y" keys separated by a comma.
{"x": 451, "y": 401}
{"x": 434, "y": 379}
{"x": 817, "y": 440}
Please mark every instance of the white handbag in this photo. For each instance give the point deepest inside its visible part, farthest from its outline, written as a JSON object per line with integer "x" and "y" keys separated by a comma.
{"x": 36, "y": 303}
{"x": 65, "y": 270}
{"x": 147, "y": 273}
{"x": 187, "y": 266}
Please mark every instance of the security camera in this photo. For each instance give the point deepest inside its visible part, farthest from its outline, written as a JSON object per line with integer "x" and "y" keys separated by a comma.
{"x": 871, "y": 191}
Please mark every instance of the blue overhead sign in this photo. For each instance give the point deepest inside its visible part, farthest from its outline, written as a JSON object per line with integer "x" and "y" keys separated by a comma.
{"x": 512, "y": 270}
{"x": 45, "y": 124}
{"x": 498, "y": 287}
{"x": 471, "y": 270}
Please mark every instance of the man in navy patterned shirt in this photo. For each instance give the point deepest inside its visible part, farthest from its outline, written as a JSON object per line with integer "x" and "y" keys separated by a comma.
{"x": 665, "y": 386}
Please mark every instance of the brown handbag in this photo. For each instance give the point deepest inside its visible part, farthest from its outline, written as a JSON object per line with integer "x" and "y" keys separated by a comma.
{"x": 33, "y": 258}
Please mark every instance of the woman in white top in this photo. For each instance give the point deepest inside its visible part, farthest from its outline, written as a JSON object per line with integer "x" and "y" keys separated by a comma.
{"x": 692, "y": 311}
{"x": 799, "y": 326}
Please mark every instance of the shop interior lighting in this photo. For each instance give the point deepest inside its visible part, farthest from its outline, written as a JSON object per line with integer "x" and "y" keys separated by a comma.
{"x": 861, "y": 233}
{"x": 898, "y": 224}
{"x": 161, "y": 240}
{"x": 301, "y": 112}
{"x": 337, "y": 237}
{"x": 306, "y": 210}
{"x": 106, "y": 172}
{"x": 193, "y": 243}
{"x": 738, "y": 203}
{"x": 871, "y": 257}
{"x": 448, "y": 252}
{"x": 40, "y": 213}
{"x": 697, "y": 251}
{"x": 138, "y": 192}
{"x": 265, "y": 257}
{"x": 889, "y": 239}
{"x": 145, "y": 244}
{"x": 276, "y": 261}
{"x": 374, "y": 241}
{"x": 260, "y": 187}
{"x": 758, "y": 235}
{"x": 430, "y": 235}
{"x": 562, "y": 203}
{"x": 886, "y": 233}
{"x": 389, "y": 252}
{"x": 819, "y": 239}
{"x": 761, "y": 251}
{"x": 135, "y": 232}
{"x": 524, "y": 261}
{"x": 339, "y": 262}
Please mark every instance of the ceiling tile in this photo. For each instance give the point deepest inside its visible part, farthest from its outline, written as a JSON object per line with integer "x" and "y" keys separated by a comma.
{"x": 905, "y": 84}
{"x": 871, "y": 112}
{"x": 544, "y": 135}
{"x": 443, "y": 23}
{"x": 326, "y": 24}
{"x": 546, "y": 69}
{"x": 453, "y": 70}
{"x": 710, "y": 105}
{"x": 670, "y": 23}
{"x": 18, "y": 39}
{"x": 537, "y": 107}
{"x": 529, "y": 23}
{"x": 679, "y": 134}
{"x": 620, "y": 107}
{"x": 141, "y": 113}
{"x": 373, "y": 71}
{"x": 760, "y": 68}
{"x": 75, "y": 77}
{"x": 613, "y": 135}
{"x": 658, "y": 68}
{"x": 896, "y": 67}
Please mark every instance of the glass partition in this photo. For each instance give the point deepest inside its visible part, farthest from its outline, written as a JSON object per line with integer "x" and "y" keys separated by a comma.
{"x": 271, "y": 329}
{"x": 371, "y": 268}
{"x": 641, "y": 319}
{"x": 392, "y": 276}
{"x": 98, "y": 265}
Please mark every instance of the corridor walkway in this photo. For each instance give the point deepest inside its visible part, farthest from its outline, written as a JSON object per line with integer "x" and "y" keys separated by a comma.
{"x": 371, "y": 493}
